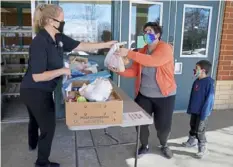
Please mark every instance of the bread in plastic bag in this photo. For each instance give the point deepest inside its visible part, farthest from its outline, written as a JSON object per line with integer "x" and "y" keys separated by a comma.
{"x": 78, "y": 65}
{"x": 114, "y": 61}
{"x": 99, "y": 90}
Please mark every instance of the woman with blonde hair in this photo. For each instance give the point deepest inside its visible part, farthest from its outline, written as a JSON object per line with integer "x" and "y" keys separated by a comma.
{"x": 45, "y": 68}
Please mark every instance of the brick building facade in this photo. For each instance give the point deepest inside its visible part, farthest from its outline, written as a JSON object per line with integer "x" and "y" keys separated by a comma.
{"x": 224, "y": 85}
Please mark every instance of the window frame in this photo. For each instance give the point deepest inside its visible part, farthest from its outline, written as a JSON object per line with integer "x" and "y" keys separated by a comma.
{"x": 147, "y": 2}
{"x": 208, "y": 34}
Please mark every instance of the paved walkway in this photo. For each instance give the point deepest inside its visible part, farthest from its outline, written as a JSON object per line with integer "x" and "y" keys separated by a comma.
{"x": 220, "y": 138}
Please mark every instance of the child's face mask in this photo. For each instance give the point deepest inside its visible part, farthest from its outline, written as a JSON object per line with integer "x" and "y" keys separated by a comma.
{"x": 150, "y": 38}
{"x": 197, "y": 71}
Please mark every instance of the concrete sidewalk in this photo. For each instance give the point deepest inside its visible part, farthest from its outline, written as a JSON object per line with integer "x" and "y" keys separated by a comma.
{"x": 220, "y": 138}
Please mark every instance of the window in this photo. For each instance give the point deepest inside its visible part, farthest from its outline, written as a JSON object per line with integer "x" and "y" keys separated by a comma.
{"x": 27, "y": 22}
{"x": 195, "y": 31}
{"x": 8, "y": 18}
{"x": 88, "y": 21}
{"x": 16, "y": 27}
{"x": 141, "y": 13}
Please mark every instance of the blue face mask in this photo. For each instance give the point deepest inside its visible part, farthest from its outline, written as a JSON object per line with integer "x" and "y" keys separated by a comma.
{"x": 149, "y": 38}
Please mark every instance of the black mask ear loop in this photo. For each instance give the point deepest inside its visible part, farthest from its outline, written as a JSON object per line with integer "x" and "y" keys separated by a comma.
{"x": 56, "y": 20}
{"x": 61, "y": 25}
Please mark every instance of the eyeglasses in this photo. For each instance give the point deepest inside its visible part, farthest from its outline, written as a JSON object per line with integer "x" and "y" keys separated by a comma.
{"x": 148, "y": 31}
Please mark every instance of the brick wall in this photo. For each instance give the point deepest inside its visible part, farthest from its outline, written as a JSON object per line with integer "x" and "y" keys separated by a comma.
{"x": 225, "y": 66}
{"x": 224, "y": 95}
{"x": 224, "y": 85}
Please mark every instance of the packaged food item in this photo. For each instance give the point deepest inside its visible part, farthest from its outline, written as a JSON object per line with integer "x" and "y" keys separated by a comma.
{"x": 77, "y": 59}
{"x": 81, "y": 99}
{"x": 71, "y": 96}
{"x": 114, "y": 61}
{"x": 80, "y": 66}
{"x": 111, "y": 98}
{"x": 91, "y": 69}
{"x": 67, "y": 82}
{"x": 99, "y": 90}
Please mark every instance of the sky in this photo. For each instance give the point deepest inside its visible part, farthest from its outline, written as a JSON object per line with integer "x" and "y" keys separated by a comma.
{"x": 74, "y": 15}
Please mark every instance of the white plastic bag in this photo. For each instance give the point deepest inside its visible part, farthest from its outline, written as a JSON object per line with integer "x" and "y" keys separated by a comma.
{"x": 113, "y": 60}
{"x": 99, "y": 90}
{"x": 92, "y": 68}
{"x": 78, "y": 65}
{"x": 65, "y": 78}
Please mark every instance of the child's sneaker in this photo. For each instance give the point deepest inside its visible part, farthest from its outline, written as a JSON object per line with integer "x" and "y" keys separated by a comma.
{"x": 192, "y": 142}
{"x": 202, "y": 151}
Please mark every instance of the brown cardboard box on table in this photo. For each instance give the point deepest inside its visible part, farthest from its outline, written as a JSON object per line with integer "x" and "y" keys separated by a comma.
{"x": 94, "y": 113}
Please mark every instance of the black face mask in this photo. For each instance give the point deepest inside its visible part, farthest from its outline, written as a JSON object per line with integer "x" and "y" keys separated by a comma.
{"x": 61, "y": 25}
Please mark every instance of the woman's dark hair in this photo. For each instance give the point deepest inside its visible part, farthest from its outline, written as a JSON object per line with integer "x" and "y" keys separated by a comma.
{"x": 205, "y": 64}
{"x": 106, "y": 36}
{"x": 155, "y": 26}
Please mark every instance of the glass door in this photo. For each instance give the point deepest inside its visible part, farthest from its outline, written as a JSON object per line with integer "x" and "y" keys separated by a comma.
{"x": 136, "y": 14}
{"x": 140, "y": 13}
{"x": 88, "y": 21}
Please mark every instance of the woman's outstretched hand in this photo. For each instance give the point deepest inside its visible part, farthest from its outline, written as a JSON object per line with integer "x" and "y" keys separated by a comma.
{"x": 109, "y": 44}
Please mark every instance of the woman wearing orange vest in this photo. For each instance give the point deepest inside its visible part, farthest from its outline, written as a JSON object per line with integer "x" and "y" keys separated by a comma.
{"x": 153, "y": 67}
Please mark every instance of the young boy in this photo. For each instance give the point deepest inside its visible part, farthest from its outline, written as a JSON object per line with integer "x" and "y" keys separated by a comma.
{"x": 200, "y": 107}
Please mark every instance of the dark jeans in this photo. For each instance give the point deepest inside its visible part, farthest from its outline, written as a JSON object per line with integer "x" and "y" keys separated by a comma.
{"x": 198, "y": 128}
{"x": 41, "y": 111}
{"x": 162, "y": 109}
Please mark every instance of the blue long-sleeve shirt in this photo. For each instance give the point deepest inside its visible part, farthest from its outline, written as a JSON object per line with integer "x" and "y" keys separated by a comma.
{"x": 202, "y": 97}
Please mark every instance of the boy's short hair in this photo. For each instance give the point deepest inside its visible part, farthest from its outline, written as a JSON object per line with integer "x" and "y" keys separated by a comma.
{"x": 205, "y": 64}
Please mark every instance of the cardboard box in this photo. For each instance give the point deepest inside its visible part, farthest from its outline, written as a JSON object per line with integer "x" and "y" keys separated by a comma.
{"x": 94, "y": 113}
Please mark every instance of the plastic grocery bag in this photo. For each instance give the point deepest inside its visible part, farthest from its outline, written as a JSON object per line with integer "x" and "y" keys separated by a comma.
{"x": 90, "y": 77}
{"x": 84, "y": 69}
{"x": 65, "y": 78}
{"x": 99, "y": 90}
{"x": 78, "y": 65}
{"x": 113, "y": 60}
